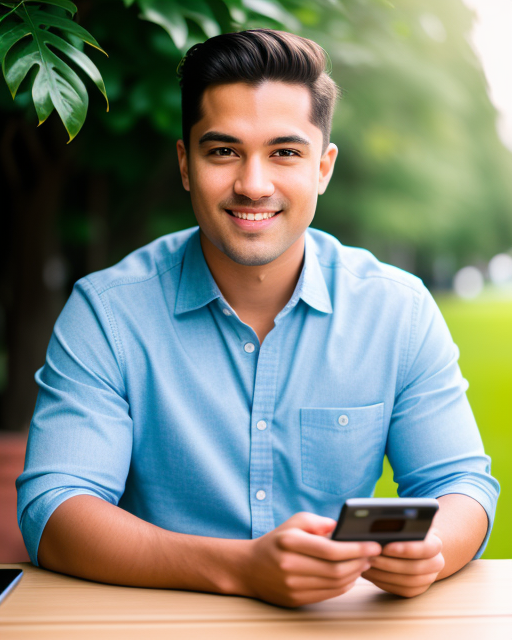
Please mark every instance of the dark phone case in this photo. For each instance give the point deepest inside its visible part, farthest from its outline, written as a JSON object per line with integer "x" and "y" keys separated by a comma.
{"x": 9, "y": 578}
{"x": 352, "y": 529}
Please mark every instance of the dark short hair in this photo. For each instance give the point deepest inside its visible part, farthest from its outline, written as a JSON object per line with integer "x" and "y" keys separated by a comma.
{"x": 252, "y": 57}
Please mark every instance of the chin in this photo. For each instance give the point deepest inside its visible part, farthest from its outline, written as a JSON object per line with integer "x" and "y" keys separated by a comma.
{"x": 251, "y": 258}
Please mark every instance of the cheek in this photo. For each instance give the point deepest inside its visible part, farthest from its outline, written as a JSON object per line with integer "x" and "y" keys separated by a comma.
{"x": 301, "y": 187}
{"x": 209, "y": 181}
{"x": 302, "y": 179}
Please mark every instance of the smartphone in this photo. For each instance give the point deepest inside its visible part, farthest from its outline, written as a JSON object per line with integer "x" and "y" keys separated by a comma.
{"x": 9, "y": 578}
{"x": 385, "y": 520}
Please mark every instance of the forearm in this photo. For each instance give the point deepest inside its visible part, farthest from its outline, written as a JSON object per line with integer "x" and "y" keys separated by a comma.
{"x": 462, "y": 524}
{"x": 90, "y": 538}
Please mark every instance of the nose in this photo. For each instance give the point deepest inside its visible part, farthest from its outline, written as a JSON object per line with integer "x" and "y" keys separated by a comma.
{"x": 253, "y": 180}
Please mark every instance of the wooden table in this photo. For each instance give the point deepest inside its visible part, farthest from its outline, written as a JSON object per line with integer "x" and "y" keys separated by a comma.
{"x": 476, "y": 603}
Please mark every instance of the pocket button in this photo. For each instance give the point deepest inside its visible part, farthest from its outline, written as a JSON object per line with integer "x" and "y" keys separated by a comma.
{"x": 343, "y": 420}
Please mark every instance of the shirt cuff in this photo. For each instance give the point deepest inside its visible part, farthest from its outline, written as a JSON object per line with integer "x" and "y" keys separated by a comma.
{"x": 478, "y": 494}
{"x": 37, "y": 514}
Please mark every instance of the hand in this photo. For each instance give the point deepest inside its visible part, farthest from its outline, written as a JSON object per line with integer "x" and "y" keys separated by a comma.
{"x": 296, "y": 564}
{"x": 408, "y": 568}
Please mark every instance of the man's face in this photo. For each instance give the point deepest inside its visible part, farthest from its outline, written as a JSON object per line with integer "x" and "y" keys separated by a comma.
{"x": 255, "y": 168}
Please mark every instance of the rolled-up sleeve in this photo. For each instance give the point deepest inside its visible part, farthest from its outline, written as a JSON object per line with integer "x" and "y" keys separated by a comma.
{"x": 434, "y": 445}
{"x": 80, "y": 437}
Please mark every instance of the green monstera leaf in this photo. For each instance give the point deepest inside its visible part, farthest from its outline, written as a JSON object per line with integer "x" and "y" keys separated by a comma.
{"x": 172, "y": 15}
{"x": 169, "y": 16}
{"x": 43, "y": 33}
{"x": 28, "y": 38}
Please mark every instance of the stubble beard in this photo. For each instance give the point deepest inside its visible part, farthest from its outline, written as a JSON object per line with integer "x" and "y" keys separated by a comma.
{"x": 257, "y": 257}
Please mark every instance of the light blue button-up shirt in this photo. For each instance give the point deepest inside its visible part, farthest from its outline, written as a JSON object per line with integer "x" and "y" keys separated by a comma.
{"x": 156, "y": 397}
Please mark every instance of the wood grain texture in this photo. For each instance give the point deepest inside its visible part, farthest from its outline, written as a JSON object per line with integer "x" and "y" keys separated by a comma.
{"x": 475, "y": 629}
{"x": 474, "y": 603}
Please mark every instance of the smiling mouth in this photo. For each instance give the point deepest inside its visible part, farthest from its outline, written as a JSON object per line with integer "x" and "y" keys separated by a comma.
{"x": 249, "y": 215}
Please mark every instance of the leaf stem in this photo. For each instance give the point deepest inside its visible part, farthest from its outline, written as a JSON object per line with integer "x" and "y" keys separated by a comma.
{"x": 37, "y": 41}
{"x": 11, "y": 11}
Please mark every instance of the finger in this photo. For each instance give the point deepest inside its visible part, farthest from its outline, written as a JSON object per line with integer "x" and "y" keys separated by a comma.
{"x": 313, "y": 583}
{"x": 319, "y": 547}
{"x": 297, "y": 564}
{"x": 400, "y": 579}
{"x": 406, "y": 592}
{"x": 427, "y": 548}
{"x": 408, "y": 566}
{"x": 301, "y": 598}
{"x": 310, "y": 522}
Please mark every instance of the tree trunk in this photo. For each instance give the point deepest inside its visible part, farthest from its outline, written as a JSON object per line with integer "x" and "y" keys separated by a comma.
{"x": 36, "y": 173}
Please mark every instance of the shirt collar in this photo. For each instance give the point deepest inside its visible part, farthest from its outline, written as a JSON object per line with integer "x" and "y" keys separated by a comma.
{"x": 312, "y": 287}
{"x": 197, "y": 287}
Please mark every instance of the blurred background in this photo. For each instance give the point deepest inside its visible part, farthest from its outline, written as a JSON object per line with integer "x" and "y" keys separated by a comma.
{"x": 423, "y": 180}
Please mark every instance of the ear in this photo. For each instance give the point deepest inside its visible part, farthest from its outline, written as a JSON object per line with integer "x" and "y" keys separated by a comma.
{"x": 326, "y": 167}
{"x": 183, "y": 162}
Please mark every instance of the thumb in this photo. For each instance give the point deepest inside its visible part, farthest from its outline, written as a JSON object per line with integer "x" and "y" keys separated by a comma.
{"x": 326, "y": 526}
{"x": 312, "y": 523}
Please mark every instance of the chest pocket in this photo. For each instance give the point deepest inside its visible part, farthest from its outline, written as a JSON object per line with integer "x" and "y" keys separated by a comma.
{"x": 341, "y": 449}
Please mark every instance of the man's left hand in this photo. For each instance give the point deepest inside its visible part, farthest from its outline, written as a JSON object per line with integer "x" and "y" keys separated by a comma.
{"x": 407, "y": 568}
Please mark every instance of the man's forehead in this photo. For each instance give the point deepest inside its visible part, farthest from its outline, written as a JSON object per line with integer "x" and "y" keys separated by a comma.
{"x": 272, "y": 109}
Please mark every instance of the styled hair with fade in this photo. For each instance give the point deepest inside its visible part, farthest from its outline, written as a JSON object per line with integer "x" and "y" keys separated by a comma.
{"x": 253, "y": 57}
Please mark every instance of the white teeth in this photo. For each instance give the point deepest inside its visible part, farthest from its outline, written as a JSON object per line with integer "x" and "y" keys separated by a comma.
{"x": 253, "y": 216}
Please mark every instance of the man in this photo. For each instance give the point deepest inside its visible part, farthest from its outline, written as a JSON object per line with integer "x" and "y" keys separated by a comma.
{"x": 209, "y": 403}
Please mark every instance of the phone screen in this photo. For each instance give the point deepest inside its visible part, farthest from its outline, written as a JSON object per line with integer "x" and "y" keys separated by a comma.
{"x": 385, "y": 520}
{"x": 9, "y": 578}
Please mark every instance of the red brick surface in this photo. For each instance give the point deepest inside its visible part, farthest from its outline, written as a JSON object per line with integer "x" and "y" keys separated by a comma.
{"x": 12, "y": 458}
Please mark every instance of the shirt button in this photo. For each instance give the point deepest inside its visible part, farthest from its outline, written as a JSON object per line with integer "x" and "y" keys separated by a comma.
{"x": 249, "y": 347}
{"x": 226, "y": 312}
{"x": 261, "y": 495}
{"x": 343, "y": 420}
{"x": 262, "y": 425}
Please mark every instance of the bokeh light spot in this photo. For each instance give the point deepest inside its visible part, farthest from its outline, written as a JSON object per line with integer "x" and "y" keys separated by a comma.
{"x": 468, "y": 282}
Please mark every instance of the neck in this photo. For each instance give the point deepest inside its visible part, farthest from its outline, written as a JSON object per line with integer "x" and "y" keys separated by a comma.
{"x": 258, "y": 293}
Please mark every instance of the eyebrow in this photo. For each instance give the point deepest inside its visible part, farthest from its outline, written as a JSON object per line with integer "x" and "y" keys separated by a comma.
{"x": 217, "y": 136}
{"x": 287, "y": 140}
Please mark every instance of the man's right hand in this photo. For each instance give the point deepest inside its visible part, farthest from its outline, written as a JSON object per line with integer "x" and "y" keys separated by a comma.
{"x": 292, "y": 565}
{"x": 296, "y": 564}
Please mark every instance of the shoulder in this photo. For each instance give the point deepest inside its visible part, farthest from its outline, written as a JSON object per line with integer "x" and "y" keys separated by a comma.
{"x": 142, "y": 265}
{"x": 356, "y": 264}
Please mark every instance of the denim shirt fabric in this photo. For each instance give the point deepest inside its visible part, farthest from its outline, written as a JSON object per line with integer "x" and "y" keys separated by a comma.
{"x": 156, "y": 397}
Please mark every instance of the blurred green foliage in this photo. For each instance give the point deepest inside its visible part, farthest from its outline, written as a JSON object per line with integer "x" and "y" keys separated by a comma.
{"x": 31, "y": 31}
{"x": 422, "y": 179}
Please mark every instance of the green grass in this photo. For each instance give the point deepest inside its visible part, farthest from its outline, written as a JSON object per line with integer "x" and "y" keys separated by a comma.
{"x": 483, "y": 331}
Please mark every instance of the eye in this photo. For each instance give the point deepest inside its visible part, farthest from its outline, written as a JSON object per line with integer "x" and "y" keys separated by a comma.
{"x": 285, "y": 153}
{"x": 221, "y": 151}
